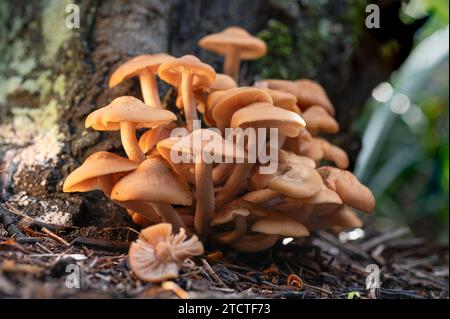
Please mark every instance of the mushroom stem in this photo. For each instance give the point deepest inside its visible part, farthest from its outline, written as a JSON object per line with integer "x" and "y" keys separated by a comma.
{"x": 235, "y": 183}
{"x": 241, "y": 226}
{"x": 169, "y": 215}
{"x": 221, "y": 172}
{"x": 204, "y": 190}
{"x": 141, "y": 208}
{"x": 129, "y": 141}
{"x": 232, "y": 62}
{"x": 149, "y": 89}
{"x": 190, "y": 111}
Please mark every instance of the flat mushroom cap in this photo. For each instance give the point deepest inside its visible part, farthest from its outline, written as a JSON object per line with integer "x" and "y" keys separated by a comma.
{"x": 127, "y": 109}
{"x": 278, "y": 224}
{"x": 235, "y": 99}
{"x": 152, "y": 181}
{"x": 85, "y": 177}
{"x": 299, "y": 182}
{"x": 254, "y": 243}
{"x": 136, "y": 65}
{"x": 266, "y": 115}
{"x": 348, "y": 187}
{"x": 291, "y": 159}
{"x": 284, "y": 100}
{"x": 281, "y": 85}
{"x": 312, "y": 93}
{"x": 318, "y": 119}
{"x": 250, "y": 47}
{"x": 203, "y": 74}
{"x": 157, "y": 254}
{"x": 201, "y": 142}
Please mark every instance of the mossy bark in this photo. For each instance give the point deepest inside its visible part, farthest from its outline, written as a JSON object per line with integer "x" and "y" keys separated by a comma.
{"x": 51, "y": 77}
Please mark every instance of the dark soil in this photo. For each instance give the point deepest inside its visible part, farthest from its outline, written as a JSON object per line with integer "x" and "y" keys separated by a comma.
{"x": 34, "y": 260}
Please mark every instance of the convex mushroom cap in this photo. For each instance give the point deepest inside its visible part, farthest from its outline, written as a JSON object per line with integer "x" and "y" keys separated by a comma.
{"x": 265, "y": 115}
{"x": 348, "y": 187}
{"x": 96, "y": 173}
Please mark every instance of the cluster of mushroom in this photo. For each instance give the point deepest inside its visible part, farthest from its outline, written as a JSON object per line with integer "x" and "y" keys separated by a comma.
{"x": 222, "y": 203}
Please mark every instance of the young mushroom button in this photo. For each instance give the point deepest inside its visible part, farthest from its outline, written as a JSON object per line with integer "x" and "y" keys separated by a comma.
{"x": 144, "y": 66}
{"x": 188, "y": 73}
{"x": 126, "y": 113}
{"x": 235, "y": 44}
{"x": 154, "y": 183}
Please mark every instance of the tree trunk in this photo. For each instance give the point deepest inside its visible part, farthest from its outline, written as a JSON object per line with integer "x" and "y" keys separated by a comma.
{"x": 52, "y": 77}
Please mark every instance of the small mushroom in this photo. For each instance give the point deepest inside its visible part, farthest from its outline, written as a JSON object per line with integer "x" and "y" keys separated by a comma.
{"x": 197, "y": 144}
{"x": 236, "y": 99}
{"x": 279, "y": 224}
{"x": 221, "y": 83}
{"x": 158, "y": 254}
{"x": 348, "y": 187}
{"x": 152, "y": 182}
{"x": 343, "y": 218}
{"x": 187, "y": 73}
{"x": 126, "y": 113}
{"x": 235, "y": 44}
{"x": 260, "y": 196}
{"x": 149, "y": 139}
{"x": 299, "y": 182}
{"x": 99, "y": 172}
{"x": 255, "y": 242}
{"x": 318, "y": 120}
{"x": 144, "y": 66}
{"x": 320, "y": 149}
{"x": 284, "y": 100}
{"x": 237, "y": 211}
{"x": 312, "y": 93}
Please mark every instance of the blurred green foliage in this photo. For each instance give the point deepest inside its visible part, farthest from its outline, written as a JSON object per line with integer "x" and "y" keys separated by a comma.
{"x": 411, "y": 175}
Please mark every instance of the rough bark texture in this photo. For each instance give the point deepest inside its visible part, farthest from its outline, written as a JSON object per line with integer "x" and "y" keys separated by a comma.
{"x": 51, "y": 77}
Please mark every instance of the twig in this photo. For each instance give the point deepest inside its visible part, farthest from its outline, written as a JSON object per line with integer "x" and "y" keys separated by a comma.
{"x": 98, "y": 244}
{"x": 376, "y": 241}
{"x": 54, "y": 236}
{"x": 213, "y": 273}
{"x": 10, "y": 227}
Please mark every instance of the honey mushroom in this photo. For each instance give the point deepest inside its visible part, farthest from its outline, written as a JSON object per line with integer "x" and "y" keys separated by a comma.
{"x": 126, "y": 113}
{"x": 152, "y": 182}
{"x": 235, "y": 44}
{"x": 187, "y": 73}
{"x": 100, "y": 171}
{"x": 145, "y": 67}
{"x": 197, "y": 144}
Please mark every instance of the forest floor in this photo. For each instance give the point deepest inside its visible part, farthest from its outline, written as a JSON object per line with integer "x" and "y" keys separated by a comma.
{"x": 40, "y": 260}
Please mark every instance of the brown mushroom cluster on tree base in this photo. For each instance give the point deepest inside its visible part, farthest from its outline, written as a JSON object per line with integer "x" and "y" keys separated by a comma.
{"x": 235, "y": 203}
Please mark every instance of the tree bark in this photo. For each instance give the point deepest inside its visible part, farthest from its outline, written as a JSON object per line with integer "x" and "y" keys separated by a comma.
{"x": 52, "y": 77}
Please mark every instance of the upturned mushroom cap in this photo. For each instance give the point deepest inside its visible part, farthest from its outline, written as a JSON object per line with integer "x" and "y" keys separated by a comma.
{"x": 348, "y": 187}
{"x": 265, "y": 115}
{"x": 152, "y": 181}
{"x": 157, "y": 254}
{"x": 279, "y": 224}
{"x": 312, "y": 93}
{"x": 221, "y": 83}
{"x": 202, "y": 73}
{"x": 136, "y": 65}
{"x": 284, "y": 100}
{"x": 319, "y": 120}
{"x": 127, "y": 109}
{"x": 230, "y": 211}
{"x": 299, "y": 182}
{"x": 235, "y": 99}
{"x": 87, "y": 177}
{"x": 250, "y": 47}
